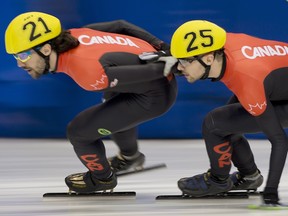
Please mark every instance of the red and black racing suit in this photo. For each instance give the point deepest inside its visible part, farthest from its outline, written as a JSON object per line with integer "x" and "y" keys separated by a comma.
{"x": 108, "y": 62}
{"x": 256, "y": 71}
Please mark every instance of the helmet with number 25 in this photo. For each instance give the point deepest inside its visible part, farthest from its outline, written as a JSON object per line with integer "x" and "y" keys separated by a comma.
{"x": 29, "y": 30}
{"x": 197, "y": 37}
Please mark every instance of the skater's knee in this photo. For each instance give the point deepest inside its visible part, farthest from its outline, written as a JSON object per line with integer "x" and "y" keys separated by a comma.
{"x": 69, "y": 130}
{"x": 208, "y": 125}
{"x": 72, "y": 134}
{"x": 78, "y": 135}
{"x": 214, "y": 124}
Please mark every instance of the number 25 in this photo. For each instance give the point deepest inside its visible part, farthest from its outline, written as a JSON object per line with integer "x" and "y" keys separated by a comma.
{"x": 205, "y": 33}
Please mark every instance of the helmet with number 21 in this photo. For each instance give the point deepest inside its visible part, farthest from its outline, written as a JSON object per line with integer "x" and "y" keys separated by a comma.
{"x": 29, "y": 30}
{"x": 197, "y": 37}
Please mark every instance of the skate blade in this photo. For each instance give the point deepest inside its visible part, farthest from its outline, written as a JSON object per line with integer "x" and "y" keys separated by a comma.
{"x": 226, "y": 195}
{"x": 268, "y": 207}
{"x": 94, "y": 194}
{"x": 143, "y": 169}
{"x": 250, "y": 192}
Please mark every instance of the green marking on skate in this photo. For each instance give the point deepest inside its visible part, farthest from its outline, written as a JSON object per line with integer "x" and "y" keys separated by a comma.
{"x": 268, "y": 207}
{"x": 104, "y": 131}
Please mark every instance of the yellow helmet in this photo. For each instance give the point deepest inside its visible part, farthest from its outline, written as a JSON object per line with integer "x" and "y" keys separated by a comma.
{"x": 30, "y": 29}
{"x": 197, "y": 37}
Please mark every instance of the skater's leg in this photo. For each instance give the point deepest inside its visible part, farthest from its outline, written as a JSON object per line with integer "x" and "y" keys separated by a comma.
{"x": 128, "y": 146}
{"x": 120, "y": 113}
{"x": 127, "y": 141}
{"x": 129, "y": 158}
{"x": 222, "y": 129}
{"x": 248, "y": 177}
{"x": 242, "y": 155}
{"x": 224, "y": 122}
{"x": 87, "y": 128}
{"x": 219, "y": 127}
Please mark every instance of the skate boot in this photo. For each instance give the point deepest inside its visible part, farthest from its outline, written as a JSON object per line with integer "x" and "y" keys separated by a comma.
{"x": 248, "y": 182}
{"x": 202, "y": 185}
{"x": 85, "y": 183}
{"x": 121, "y": 165}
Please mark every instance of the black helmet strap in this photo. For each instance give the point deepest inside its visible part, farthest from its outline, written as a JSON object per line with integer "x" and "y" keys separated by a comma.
{"x": 207, "y": 69}
{"x": 46, "y": 59}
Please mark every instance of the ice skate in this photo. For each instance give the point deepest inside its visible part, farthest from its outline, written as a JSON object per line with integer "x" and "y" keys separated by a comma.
{"x": 249, "y": 183}
{"x": 121, "y": 165}
{"x": 85, "y": 183}
{"x": 202, "y": 185}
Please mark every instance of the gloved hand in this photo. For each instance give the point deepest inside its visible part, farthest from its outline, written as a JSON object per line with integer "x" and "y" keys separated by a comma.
{"x": 270, "y": 196}
{"x": 170, "y": 61}
{"x": 152, "y": 56}
{"x": 160, "y": 56}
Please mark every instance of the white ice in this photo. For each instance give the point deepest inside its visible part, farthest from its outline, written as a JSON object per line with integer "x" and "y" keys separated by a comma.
{"x": 32, "y": 167}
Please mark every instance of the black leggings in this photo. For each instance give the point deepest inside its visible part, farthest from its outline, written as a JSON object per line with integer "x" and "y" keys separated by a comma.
{"x": 223, "y": 130}
{"x": 117, "y": 117}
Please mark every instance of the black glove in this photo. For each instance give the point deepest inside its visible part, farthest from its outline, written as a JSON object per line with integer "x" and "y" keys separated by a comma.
{"x": 270, "y": 196}
{"x": 166, "y": 48}
{"x": 160, "y": 56}
{"x": 152, "y": 56}
{"x": 163, "y": 49}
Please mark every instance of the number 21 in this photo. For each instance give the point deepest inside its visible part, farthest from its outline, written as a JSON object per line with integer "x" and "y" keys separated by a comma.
{"x": 32, "y": 35}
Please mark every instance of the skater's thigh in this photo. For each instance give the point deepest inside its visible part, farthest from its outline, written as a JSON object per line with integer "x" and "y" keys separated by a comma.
{"x": 120, "y": 113}
{"x": 230, "y": 119}
{"x": 233, "y": 118}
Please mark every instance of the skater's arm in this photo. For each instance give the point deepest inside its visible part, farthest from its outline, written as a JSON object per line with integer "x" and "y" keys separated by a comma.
{"x": 271, "y": 126}
{"x": 132, "y": 74}
{"x": 126, "y": 28}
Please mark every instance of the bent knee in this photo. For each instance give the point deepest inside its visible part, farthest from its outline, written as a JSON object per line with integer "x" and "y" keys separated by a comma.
{"x": 73, "y": 133}
{"x": 215, "y": 122}
{"x": 208, "y": 124}
{"x": 70, "y": 131}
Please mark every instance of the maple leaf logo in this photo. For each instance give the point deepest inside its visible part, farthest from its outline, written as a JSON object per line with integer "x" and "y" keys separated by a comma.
{"x": 99, "y": 83}
{"x": 254, "y": 109}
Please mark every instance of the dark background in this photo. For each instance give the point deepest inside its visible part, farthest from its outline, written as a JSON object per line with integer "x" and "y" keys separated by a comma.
{"x": 42, "y": 108}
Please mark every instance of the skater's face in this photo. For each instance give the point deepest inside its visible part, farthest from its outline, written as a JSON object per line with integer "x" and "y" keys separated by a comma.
{"x": 191, "y": 68}
{"x": 31, "y": 62}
